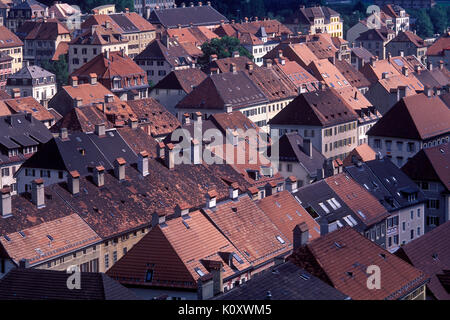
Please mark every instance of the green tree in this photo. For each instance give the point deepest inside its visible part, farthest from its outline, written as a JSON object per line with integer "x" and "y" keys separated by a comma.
{"x": 424, "y": 25}
{"x": 438, "y": 16}
{"x": 223, "y": 48}
{"x": 60, "y": 68}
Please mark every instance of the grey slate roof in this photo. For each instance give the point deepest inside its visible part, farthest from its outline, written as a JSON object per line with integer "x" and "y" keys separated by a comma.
{"x": 31, "y": 72}
{"x": 198, "y": 16}
{"x": 38, "y": 284}
{"x": 68, "y": 154}
{"x": 284, "y": 282}
{"x": 362, "y": 53}
{"x": 377, "y": 176}
{"x": 291, "y": 149}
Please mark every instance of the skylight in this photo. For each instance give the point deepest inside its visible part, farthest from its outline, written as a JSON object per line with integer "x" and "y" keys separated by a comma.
{"x": 199, "y": 272}
{"x": 238, "y": 259}
{"x": 336, "y": 202}
{"x": 324, "y": 207}
{"x": 280, "y": 239}
{"x": 361, "y": 214}
{"x": 298, "y": 213}
{"x": 332, "y": 205}
{"x": 305, "y": 277}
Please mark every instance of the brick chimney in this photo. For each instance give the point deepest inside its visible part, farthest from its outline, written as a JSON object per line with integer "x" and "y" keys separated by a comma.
{"x": 5, "y": 204}
{"x": 37, "y": 193}
{"x": 100, "y": 129}
{"x": 291, "y": 184}
{"x": 99, "y": 176}
{"x": 119, "y": 168}
{"x": 143, "y": 163}
{"x": 169, "y": 156}
{"x": 73, "y": 182}
{"x": 92, "y": 78}
{"x": 301, "y": 235}
{"x": 211, "y": 198}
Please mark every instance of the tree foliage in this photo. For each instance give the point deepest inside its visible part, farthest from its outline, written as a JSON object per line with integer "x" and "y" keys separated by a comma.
{"x": 223, "y": 48}
{"x": 60, "y": 68}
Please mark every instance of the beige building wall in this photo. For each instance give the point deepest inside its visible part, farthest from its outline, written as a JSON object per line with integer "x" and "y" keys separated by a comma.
{"x": 17, "y": 54}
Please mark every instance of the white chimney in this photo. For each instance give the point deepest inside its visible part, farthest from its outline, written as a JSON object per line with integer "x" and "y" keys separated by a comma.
{"x": 74, "y": 182}
{"x": 100, "y": 129}
{"x": 143, "y": 163}
{"x": 6, "y": 207}
{"x": 160, "y": 150}
{"x": 211, "y": 197}
{"x": 198, "y": 117}
{"x": 99, "y": 176}
{"x": 119, "y": 168}
{"x": 37, "y": 193}
{"x": 195, "y": 152}
{"x": 169, "y": 156}
{"x": 234, "y": 191}
{"x": 64, "y": 134}
{"x": 291, "y": 184}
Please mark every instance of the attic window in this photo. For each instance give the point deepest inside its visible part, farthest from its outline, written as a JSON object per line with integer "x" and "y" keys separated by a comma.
{"x": 50, "y": 237}
{"x": 7, "y": 238}
{"x": 22, "y": 234}
{"x": 337, "y": 245}
{"x": 186, "y": 225}
{"x": 383, "y": 256}
{"x": 280, "y": 239}
{"x": 149, "y": 276}
{"x": 435, "y": 256}
{"x": 298, "y": 213}
{"x": 288, "y": 216}
{"x": 238, "y": 259}
{"x": 350, "y": 274}
{"x": 278, "y": 205}
{"x": 361, "y": 214}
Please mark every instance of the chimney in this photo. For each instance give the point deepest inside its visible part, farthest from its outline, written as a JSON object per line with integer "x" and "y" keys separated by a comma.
{"x": 15, "y": 93}
{"x": 198, "y": 117}
{"x": 37, "y": 193}
{"x": 268, "y": 63}
{"x": 430, "y": 65}
{"x": 402, "y": 54}
{"x": 158, "y": 218}
{"x": 323, "y": 226}
{"x": 106, "y": 53}
{"x": 6, "y": 207}
{"x": 143, "y": 163}
{"x": 119, "y": 168}
{"x": 169, "y": 157}
{"x": 205, "y": 287}
{"x": 63, "y": 134}
{"x": 384, "y": 75}
{"x": 249, "y": 66}
{"x": 183, "y": 5}
{"x": 253, "y": 193}
{"x": 109, "y": 98}
{"x": 147, "y": 13}
{"x": 191, "y": 4}
{"x": 235, "y": 54}
{"x": 212, "y": 57}
{"x": 233, "y": 67}
{"x": 301, "y": 235}
{"x": 52, "y": 15}
{"x": 92, "y": 78}
{"x": 107, "y": 24}
{"x": 307, "y": 147}
{"x": 280, "y": 54}
{"x": 417, "y": 68}
{"x": 214, "y": 71}
{"x": 200, "y": 4}
{"x": 389, "y": 57}
{"x": 291, "y": 184}
{"x": 99, "y": 176}
{"x": 441, "y": 65}
{"x": 77, "y": 102}
{"x": 401, "y": 92}
{"x": 74, "y": 81}
{"x": 405, "y": 71}
{"x": 100, "y": 129}
{"x": 73, "y": 182}
{"x": 217, "y": 277}
{"x": 234, "y": 191}
{"x": 372, "y": 61}
{"x": 195, "y": 152}
{"x": 211, "y": 197}
{"x": 228, "y": 108}
{"x": 271, "y": 188}
{"x": 186, "y": 118}
{"x": 133, "y": 123}
{"x": 160, "y": 150}
{"x": 181, "y": 209}
{"x": 127, "y": 10}
{"x": 427, "y": 91}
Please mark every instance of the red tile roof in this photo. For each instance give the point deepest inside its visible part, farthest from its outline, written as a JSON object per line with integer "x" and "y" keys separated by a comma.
{"x": 8, "y": 39}
{"x": 362, "y": 153}
{"x": 357, "y": 198}
{"x": 341, "y": 258}
{"x": 286, "y": 213}
{"x": 175, "y": 251}
{"x": 440, "y": 46}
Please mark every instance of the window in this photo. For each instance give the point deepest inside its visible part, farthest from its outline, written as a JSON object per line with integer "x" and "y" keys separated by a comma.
{"x": 433, "y": 204}
{"x": 396, "y": 239}
{"x": 412, "y": 214}
{"x": 403, "y": 226}
{"x": 125, "y": 251}
{"x": 289, "y": 167}
{"x": 432, "y": 221}
{"x": 5, "y": 172}
{"x": 418, "y": 213}
{"x": 114, "y": 256}
{"x": 149, "y": 276}
{"x": 377, "y": 143}
{"x": 399, "y": 145}
{"x": 106, "y": 261}
{"x": 388, "y": 145}
{"x": 411, "y": 147}
{"x": 412, "y": 234}
{"x": 324, "y": 207}
{"x": 418, "y": 231}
